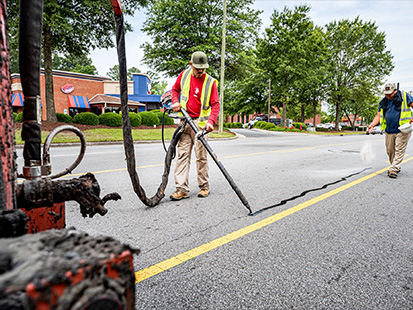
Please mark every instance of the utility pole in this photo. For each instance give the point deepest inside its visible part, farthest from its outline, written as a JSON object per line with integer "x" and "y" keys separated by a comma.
{"x": 269, "y": 99}
{"x": 221, "y": 88}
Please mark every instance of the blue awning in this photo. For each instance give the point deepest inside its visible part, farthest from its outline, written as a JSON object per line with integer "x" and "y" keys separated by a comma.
{"x": 17, "y": 100}
{"x": 78, "y": 102}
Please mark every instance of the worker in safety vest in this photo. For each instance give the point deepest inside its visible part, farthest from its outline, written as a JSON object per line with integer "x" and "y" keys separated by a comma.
{"x": 199, "y": 97}
{"x": 394, "y": 111}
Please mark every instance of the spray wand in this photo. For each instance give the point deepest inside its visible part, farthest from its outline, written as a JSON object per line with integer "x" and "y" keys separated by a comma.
{"x": 200, "y": 136}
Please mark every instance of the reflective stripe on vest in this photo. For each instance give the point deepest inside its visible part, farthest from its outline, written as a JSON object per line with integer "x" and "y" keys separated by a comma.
{"x": 205, "y": 95}
{"x": 405, "y": 113}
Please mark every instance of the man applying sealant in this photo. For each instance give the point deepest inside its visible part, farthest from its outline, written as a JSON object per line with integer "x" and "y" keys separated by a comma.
{"x": 199, "y": 97}
{"x": 394, "y": 111}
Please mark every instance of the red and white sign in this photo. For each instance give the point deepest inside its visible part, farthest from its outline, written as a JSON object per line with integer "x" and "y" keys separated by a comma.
{"x": 68, "y": 88}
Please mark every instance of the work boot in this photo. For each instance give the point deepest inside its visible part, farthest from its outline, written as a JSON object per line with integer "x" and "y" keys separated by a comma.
{"x": 178, "y": 195}
{"x": 392, "y": 175}
{"x": 204, "y": 192}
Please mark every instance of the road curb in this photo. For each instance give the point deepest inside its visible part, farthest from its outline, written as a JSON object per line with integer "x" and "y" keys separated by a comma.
{"x": 20, "y": 146}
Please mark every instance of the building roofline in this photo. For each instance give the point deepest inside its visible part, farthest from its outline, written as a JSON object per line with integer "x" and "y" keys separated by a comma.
{"x": 76, "y": 75}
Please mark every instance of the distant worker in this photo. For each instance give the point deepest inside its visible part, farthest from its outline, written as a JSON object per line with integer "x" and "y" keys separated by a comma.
{"x": 199, "y": 97}
{"x": 394, "y": 111}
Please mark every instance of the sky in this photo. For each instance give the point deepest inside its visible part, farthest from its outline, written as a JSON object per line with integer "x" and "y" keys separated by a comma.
{"x": 394, "y": 18}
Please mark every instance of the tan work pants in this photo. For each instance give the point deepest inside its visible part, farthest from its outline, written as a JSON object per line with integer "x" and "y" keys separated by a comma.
{"x": 185, "y": 144}
{"x": 396, "y": 145}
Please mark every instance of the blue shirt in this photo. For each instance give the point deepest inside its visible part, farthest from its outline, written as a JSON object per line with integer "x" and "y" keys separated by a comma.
{"x": 392, "y": 114}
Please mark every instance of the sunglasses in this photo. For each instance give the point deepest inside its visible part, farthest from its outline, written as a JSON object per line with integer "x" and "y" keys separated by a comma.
{"x": 199, "y": 69}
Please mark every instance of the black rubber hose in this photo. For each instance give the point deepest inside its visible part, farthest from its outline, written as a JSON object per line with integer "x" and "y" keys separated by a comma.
{"x": 127, "y": 132}
{"x": 30, "y": 37}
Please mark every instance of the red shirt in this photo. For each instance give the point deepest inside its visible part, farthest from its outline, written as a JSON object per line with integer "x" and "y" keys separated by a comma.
{"x": 193, "y": 106}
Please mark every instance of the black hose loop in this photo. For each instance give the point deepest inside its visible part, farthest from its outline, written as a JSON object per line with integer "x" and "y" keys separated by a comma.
{"x": 48, "y": 142}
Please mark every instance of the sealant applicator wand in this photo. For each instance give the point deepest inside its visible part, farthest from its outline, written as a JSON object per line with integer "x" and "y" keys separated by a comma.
{"x": 200, "y": 136}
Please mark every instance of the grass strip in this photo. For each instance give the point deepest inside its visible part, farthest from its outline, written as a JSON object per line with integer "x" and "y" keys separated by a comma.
{"x": 113, "y": 134}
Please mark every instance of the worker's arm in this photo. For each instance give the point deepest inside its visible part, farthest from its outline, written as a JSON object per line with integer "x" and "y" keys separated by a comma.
{"x": 214, "y": 101}
{"x": 176, "y": 90}
{"x": 411, "y": 105}
{"x": 374, "y": 123}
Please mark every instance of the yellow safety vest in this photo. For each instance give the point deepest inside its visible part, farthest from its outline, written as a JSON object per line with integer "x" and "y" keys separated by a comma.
{"x": 405, "y": 113}
{"x": 205, "y": 95}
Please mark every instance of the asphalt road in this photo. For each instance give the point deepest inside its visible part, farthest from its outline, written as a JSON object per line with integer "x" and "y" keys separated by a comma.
{"x": 330, "y": 230}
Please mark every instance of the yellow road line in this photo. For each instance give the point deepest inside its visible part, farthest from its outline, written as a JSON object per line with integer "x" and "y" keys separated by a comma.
{"x": 153, "y": 270}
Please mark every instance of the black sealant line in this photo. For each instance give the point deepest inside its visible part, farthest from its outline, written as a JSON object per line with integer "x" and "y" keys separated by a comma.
{"x": 283, "y": 202}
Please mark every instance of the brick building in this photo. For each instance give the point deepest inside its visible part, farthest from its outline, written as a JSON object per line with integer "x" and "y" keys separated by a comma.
{"x": 78, "y": 92}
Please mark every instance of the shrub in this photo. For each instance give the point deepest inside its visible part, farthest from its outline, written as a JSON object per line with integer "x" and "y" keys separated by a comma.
{"x": 19, "y": 118}
{"x": 14, "y": 116}
{"x": 167, "y": 120}
{"x": 259, "y": 124}
{"x": 64, "y": 118}
{"x": 110, "y": 119}
{"x": 298, "y": 125}
{"x": 86, "y": 118}
{"x": 135, "y": 119}
{"x": 229, "y": 125}
{"x": 233, "y": 125}
{"x": 149, "y": 118}
{"x": 268, "y": 126}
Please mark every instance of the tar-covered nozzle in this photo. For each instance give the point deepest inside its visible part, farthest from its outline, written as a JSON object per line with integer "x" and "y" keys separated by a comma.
{"x": 166, "y": 100}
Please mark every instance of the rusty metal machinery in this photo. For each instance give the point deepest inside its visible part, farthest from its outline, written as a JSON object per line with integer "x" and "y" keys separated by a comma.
{"x": 50, "y": 269}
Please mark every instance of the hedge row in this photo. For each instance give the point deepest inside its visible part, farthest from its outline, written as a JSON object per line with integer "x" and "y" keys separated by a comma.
{"x": 149, "y": 118}
{"x": 233, "y": 125}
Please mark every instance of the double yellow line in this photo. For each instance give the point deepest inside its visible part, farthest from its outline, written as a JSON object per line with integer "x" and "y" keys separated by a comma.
{"x": 183, "y": 257}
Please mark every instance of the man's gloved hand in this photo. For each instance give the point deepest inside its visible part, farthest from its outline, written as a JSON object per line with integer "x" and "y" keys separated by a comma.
{"x": 176, "y": 107}
{"x": 209, "y": 127}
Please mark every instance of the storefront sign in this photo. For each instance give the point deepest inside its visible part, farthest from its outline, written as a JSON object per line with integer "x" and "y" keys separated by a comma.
{"x": 68, "y": 88}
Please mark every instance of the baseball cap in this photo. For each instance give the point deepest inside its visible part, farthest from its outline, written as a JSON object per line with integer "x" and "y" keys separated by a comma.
{"x": 199, "y": 60}
{"x": 389, "y": 88}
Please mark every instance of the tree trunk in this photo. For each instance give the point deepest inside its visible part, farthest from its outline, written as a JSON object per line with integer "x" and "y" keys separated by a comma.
{"x": 338, "y": 107}
{"x": 302, "y": 113}
{"x": 284, "y": 112}
{"x": 48, "y": 74}
{"x": 315, "y": 113}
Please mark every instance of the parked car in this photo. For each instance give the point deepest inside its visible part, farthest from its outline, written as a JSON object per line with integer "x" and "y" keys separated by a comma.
{"x": 276, "y": 121}
{"x": 251, "y": 123}
{"x": 376, "y": 130}
{"x": 309, "y": 124}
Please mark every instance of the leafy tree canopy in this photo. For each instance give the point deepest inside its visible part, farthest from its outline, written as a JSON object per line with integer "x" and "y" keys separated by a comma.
{"x": 71, "y": 63}
{"x": 114, "y": 73}
{"x": 158, "y": 87}
{"x": 71, "y": 27}
{"x": 180, "y": 27}
{"x": 359, "y": 60}
{"x": 286, "y": 52}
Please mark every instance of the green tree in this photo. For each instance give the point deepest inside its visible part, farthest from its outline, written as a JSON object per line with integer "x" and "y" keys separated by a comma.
{"x": 359, "y": 60}
{"x": 283, "y": 52}
{"x": 180, "y": 27}
{"x": 114, "y": 73}
{"x": 72, "y": 63}
{"x": 72, "y": 27}
{"x": 310, "y": 89}
{"x": 158, "y": 86}
{"x": 363, "y": 102}
{"x": 249, "y": 95}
